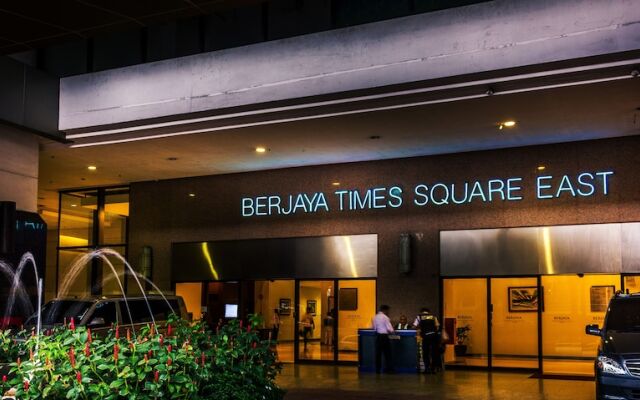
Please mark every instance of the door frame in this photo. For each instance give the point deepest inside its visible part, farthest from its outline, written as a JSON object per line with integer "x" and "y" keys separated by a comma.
{"x": 336, "y": 314}
{"x": 489, "y": 317}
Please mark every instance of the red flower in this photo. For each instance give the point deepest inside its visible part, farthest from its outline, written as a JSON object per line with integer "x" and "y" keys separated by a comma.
{"x": 117, "y": 332}
{"x": 240, "y": 324}
{"x": 72, "y": 325}
{"x": 87, "y": 351}
{"x": 150, "y": 353}
{"x": 169, "y": 348}
{"x": 248, "y": 328}
{"x": 146, "y": 359}
{"x": 156, "y": 376}
{"x": 161, "y": 340}
{"x": 72, "y": 357}
{"x": 116, "y": 351}
{"x": 26, "y": 386}
{"x": 89, "y": 338}
{"x": 128, "y": 335}
{"x": 79, "y": 377}
{"x": 169, "y": 361}
{"x": 4, "y": 379}
{"x": 254, "y": 345}
{"x": 169, "y": 330}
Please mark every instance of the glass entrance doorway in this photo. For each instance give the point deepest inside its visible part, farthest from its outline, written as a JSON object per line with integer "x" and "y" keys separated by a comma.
{"x": 316, "y": 320}
{"x": 514, "y": 322}
{"x": 570, "y": 303}
{"x": 534, "y": 322}
{"x": 330, "y": 312}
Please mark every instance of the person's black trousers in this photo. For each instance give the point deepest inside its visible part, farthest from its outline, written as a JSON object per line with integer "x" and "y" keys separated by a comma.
{"x": 383, "y": 346}
{"x": 431, "y": 352}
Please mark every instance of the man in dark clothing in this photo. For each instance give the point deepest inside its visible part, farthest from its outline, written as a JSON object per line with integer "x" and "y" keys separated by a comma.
{"x": 428, "y": 325}
{"x": 382, "y": 325}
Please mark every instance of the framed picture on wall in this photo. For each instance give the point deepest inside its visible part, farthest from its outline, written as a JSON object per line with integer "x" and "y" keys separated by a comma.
{"x": 312, "y": 307}
{"x": 523, "y": 299}
{"x": 285, "y": 307}
{"x": 600, "y": 296}
{"x": 348, "y": 299}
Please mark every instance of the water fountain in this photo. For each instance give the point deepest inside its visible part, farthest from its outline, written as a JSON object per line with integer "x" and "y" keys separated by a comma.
{"x": 188, "y": 359}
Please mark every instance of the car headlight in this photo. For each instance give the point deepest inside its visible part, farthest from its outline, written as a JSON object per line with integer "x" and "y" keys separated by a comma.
{"x": 610, "y": 366}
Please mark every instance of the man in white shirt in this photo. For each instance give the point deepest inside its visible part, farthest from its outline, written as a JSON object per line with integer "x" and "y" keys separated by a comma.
{"x": 382, "y": 326}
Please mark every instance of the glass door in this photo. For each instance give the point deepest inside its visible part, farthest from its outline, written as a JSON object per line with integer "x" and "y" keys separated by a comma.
{"x": 514, "y": 322}
{"x": 465, "y": 320}
{"x": 315, "y": 300}
{"x": 356, "y": 308}
{"x": 274, "y": 300}
{"x": 570, "y": 302}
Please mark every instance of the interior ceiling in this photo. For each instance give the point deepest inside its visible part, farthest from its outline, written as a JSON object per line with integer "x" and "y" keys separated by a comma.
{"x": 63, "y": 20}
{"x": 550, "y": 116}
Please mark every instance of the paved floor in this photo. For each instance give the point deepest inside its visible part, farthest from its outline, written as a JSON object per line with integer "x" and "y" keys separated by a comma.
{"x": 311, "y": 382}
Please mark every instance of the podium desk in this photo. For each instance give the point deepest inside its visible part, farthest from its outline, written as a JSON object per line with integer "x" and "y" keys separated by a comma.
{"x": 404, "y": 351}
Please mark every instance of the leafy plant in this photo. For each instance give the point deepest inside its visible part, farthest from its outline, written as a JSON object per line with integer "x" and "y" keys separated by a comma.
{"x": 462, "y": 334}
{"x": 9, "y": 347}
{"x": 185, "y": 361}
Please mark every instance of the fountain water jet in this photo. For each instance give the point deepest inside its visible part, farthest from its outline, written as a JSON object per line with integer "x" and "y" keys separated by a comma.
{"x": 83, "y": 261}
{"x": 8, "y": 272}
{"x": 17, "y": 284}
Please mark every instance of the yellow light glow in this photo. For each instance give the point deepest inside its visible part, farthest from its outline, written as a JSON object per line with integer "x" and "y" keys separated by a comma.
{"x": 336, "y": 183}
{"x": 207, "y": 256}
{"x": 192, "y": 195}
{"x": 548, "y": 256}
{"x": 92, "y": 168}
{"x": 541, "y": 167}
{"x": 509, "y": 124}
{"x": 260, "y": 149}
{"x": 352, "y": 260}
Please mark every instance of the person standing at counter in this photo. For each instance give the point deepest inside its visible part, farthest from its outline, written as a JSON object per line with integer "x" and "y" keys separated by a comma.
{"x": 382, "y": 326}
{"x": 428, "y": 325}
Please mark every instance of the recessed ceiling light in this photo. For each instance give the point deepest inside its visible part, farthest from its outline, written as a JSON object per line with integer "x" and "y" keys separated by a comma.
{"x": 335, "y": 183}
{"x": 92, "y": 168}
{"x": 541, "y": 167}
{"x": 192, "y": 195}
{"x": 74, "y": 205}
{"x": 374, "y": 137}
{"x": 507, "y": 124}
{"x": 260, "y": 149}
{"x": 172, "y": 158}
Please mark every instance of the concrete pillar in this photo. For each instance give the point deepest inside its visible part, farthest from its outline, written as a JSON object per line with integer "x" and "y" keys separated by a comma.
{"x": 19, "y": 168}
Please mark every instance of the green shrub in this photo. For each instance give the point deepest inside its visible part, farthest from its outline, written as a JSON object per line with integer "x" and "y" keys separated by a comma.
{"x": 187, "y": 361}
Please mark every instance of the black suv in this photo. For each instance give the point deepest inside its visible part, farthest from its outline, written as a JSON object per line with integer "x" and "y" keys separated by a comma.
{"x": 100, "y": 313}
{"x": 618, "y": 363}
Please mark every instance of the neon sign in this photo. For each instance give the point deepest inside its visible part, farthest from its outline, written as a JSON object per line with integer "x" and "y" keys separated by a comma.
{"x": 435, "y": 194}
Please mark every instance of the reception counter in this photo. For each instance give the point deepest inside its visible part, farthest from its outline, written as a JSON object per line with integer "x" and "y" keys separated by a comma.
{"x": 404, "y": 351}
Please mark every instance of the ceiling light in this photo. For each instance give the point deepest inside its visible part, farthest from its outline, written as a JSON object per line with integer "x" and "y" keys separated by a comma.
{"x": 260, "y": 149}
{"x": 507, "y": 124}
{"x": 192, "y": 195}
{"x": 374, "y": 137}
{"x": 92, "y": 168}
{"x": 541, "y": 167}
{"x": 74, "y": 205}
{"x": 335, "y": 183}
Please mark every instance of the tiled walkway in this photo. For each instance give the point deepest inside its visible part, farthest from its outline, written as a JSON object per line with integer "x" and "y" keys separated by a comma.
{"x": 310, "y": 382}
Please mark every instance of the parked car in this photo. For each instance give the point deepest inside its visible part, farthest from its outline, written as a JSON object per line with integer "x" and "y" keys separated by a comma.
{"x": 617, "y": 366}
{"x": 100, "y": 313}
